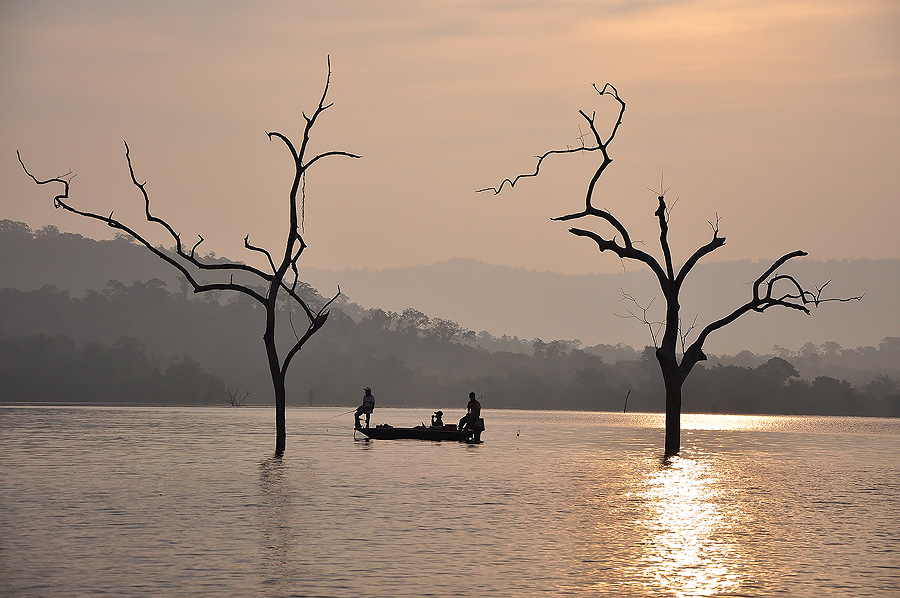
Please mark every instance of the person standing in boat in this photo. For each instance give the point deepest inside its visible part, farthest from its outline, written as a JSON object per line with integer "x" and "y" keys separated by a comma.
{"x": 473, "y": 412}
{"x": 367, "y": 407}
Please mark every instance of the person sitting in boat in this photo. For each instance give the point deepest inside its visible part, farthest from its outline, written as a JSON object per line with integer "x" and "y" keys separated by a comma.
{"x": 473, "y": 412}
{"x": 437, "y": 420}
{"x": 367, "y": 407}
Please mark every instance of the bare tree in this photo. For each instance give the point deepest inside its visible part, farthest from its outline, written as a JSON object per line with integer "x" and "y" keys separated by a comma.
{"x": 235, "y": 398}
{"x": 676, "y": 356}
{"x": 281, "y": 280}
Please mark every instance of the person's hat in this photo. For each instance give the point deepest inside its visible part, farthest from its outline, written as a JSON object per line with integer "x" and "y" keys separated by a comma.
{"x": 439, "y": 413}
{"x": 367, "y": 388}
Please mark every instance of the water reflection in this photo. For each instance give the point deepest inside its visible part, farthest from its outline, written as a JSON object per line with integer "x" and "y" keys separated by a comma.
{"x": 686, "y": 551}
{"x": 276, "y": 517}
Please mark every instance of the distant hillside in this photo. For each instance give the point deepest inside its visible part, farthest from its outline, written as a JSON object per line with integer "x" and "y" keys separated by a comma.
{"x": 32, "y": 259}
{"x": 551, "y": 306}
{"x": 504, "y": 300}
{"x": 152, "y": 342}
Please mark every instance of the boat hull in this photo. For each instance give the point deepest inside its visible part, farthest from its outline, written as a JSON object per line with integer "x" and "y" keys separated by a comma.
{"x": 436, "y": 434}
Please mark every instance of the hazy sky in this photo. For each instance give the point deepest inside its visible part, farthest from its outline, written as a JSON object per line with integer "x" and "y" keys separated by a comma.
{"x": 783, "y": 117}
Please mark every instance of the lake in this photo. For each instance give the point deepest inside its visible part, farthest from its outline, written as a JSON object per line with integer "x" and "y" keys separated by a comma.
{"x": 107, "y": 501}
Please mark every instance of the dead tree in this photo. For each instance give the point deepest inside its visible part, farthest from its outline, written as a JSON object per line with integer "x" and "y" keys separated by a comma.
{"x": 675, "y": 355}
{"x": 280, "y": 280}
{"x": 235, "y": 398}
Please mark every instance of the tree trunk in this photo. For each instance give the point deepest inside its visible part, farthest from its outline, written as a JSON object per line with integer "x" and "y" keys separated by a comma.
{"x": 673, "y": 380}
{"x": 668, "y": 359}
{"x": 280, "y": 426}
{"x": 277, "y": 380}
{"x": 673, "y": 415}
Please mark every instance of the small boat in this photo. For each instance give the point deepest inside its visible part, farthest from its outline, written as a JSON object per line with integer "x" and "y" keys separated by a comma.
{"x": 448, "y": 432}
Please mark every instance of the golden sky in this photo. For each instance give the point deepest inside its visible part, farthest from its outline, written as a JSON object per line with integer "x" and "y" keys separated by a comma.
{"x": 782, "y": 117}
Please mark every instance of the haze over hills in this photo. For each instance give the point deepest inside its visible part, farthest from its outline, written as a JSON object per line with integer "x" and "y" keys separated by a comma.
{"x": 140, "y": 340}
{"x": 550, "y": 306}
{"x": 518, "y": 302}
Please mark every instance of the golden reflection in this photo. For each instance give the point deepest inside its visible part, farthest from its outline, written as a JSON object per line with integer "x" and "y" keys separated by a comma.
{"x": 686, "y": 554}
{"x": 713, "y": 421}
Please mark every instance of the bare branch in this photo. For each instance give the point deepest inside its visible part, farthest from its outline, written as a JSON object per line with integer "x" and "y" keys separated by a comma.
{"x": 609, "y": 90}
{"x": 291, "y": 322}
{"x": 604, "y": 215}
{"x": 713, "y": 244}
{"x": 629, "y": 252}
{"x": 111, "y": 222}
{"x": 537, "y": 168}
{"x": 798, "y": 299}
{"x": 662, "y": 190}
{"x": 286, "y": 141}
{"x": 683, "y": 334}
{"x": 294, "y": 260}
{"x": 327, "y": 154}
{"x": 65, "y": 179}
{"x": 293, "y": 294}
{"x": 193, "y": 249}
{"x": 268, "y": 255}
{"x": 817, "y": 299}
{"x": 664, "y": 236}
{"x": 316, "y": 322}
{"x": 653, "y": 326}
{"x": 234, "y": 396}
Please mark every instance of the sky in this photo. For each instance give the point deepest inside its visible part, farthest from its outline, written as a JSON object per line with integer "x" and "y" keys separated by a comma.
{"x": 782, "y": 118}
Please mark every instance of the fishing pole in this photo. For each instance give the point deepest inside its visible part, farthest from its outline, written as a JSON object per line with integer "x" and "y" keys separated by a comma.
{"x": 340, "y": 414}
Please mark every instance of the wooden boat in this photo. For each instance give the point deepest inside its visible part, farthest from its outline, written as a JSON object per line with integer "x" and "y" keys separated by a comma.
{"x": 386, "y": 432}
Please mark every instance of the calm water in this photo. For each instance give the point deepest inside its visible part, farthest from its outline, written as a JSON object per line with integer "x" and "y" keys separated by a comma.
{"x": 187, "y": 502}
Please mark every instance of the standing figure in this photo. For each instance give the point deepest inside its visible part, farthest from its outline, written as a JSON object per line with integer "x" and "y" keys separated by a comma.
{"x": 473, "y": 412}
{"x": 472, "y": 420}
{"x": 367, "y": 407}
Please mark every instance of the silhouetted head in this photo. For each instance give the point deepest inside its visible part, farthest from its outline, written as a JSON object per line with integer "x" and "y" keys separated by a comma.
{"x": 439, "y": 413}
{"x": 471, "y": 395}
{"x": 367, "y": 389}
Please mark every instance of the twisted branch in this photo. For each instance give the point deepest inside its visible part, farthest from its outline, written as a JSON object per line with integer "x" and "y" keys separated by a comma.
{"x": 60, "y": 201}
{"x": 609, "y": 90}
{"x": 798, "y": 298}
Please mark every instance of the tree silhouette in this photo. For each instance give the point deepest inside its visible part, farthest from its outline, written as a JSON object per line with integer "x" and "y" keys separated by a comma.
{"x": 280, "y": 282}
{"x": 675, "y": 355}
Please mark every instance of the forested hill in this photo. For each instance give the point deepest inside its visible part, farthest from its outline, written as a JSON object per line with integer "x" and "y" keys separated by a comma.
{"x": 149, "y": 341}
{"x": 503, "y": 300}
{"x": 140, "y": 343}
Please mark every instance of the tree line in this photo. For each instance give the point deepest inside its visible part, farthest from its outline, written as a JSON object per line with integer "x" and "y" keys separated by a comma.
{"x": 57, "y": 369}
{"x": 141, "y": 343}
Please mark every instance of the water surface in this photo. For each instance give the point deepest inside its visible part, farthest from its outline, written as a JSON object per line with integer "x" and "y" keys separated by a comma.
{"x": 188, "y": 502}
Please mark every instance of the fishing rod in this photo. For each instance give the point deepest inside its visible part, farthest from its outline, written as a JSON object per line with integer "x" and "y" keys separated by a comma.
{"x": 340, "y": 414}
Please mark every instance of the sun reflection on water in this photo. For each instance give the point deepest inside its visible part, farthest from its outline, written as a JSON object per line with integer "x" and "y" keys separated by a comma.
{"x": 685, "y": 553}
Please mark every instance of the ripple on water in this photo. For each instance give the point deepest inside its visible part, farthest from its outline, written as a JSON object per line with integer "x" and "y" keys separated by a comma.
{"x": 186, "y": 502}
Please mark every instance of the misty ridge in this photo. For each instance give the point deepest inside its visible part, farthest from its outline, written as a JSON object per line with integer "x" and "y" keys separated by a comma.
{"x": 107, "y": 322}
